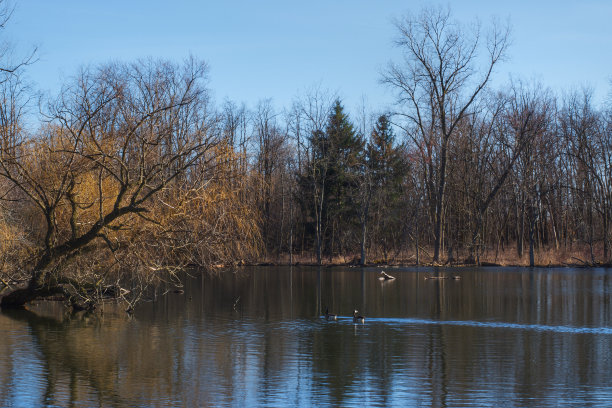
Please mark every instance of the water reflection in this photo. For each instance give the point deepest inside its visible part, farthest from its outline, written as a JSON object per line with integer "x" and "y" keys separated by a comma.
{"x": 517, "y": 337}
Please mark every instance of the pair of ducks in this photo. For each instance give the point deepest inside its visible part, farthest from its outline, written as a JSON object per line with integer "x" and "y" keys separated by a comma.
{"x": 356, "y": 318}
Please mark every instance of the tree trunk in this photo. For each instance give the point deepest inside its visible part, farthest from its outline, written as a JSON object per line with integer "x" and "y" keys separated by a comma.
{"x": 18, "y": 298}
{"x": 532, "y": 231}
{"x": 35, "y": 289}
{"x": 363, "y": 243}
{"x": 440, "y": 200}
{"x": 605, "y": 235}
{"x": 290, "y": 227}
{"x": 521, "y": 232}
{"x": 416, "y": 240}
{"x": 319, "y": 221}
{"x": 364, "y": 231}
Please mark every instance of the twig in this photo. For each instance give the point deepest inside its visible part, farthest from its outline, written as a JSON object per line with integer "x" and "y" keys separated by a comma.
{"x": 580, "y": 260}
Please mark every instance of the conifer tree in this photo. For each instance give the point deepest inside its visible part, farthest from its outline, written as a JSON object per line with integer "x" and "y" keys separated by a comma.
{"x": 331, "y": 183}
{"x": 384, "y": 172}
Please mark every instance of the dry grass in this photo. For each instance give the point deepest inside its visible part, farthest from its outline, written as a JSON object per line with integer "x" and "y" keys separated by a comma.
{"x": 578, "y": 255}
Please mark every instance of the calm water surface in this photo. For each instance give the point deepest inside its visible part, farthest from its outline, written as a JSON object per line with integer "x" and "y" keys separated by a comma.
{"x": 497, "y": 337}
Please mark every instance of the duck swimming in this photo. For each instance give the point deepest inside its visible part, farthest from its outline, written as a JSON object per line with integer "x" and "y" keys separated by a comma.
{"x": 330, "y": 316}
{"x": 358, "y": 318}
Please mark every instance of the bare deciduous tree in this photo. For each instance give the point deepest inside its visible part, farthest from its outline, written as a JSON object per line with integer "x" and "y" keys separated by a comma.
{"x": 436, "y": 86}
{"x": 116, "y": 139}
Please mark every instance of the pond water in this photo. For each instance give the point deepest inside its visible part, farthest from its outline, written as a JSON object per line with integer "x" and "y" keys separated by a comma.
{"x": 496, "y": 337}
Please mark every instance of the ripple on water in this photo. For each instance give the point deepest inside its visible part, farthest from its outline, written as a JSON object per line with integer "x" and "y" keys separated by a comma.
{"x": 480, "y": 324}
{"x": 27, "y": 377}
{"x": 496, "y": 325}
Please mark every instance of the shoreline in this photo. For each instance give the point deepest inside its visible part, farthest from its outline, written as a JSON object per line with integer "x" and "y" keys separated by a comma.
{"x": 576, "y": 256}
{"x": 399, "y": 264}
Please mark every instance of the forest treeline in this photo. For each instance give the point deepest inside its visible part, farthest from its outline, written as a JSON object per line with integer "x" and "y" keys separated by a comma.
{"x": 131, "y": 172}
{"x": 527, "y": 180}
{"x": 456, "y": 171}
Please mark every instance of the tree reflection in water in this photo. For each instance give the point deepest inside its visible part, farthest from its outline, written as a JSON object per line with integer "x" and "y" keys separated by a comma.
{"x": 528, "y": 337}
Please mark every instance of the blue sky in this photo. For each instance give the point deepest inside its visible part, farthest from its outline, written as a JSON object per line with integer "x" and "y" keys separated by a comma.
{"x": 278, "y": 49}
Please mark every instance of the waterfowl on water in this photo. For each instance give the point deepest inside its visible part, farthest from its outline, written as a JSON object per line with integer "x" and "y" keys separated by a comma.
{"x": 385, "y": 276}
{"x": 436, "y": 277}
{"x": 358, "y": 318}
{"x": 454, "y": 277}
{"x": 330, "y": 316}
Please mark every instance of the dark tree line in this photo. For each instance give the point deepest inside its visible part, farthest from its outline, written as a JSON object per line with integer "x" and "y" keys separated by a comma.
{"x": 527, "y": 181}
{"x": 456, "y": 172}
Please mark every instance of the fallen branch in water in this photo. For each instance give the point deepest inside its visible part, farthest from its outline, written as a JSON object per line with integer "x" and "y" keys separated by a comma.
{"x": 585, "y": 263}
{"x": 386, "y": 276}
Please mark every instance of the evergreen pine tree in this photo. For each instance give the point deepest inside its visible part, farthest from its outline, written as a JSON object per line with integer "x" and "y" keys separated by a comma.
{"x": 329, "y": 187}
{"x": 387, "y": 167}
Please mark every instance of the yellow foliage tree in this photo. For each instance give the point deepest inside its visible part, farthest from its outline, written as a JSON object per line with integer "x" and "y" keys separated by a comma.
{"x": 128, "y": 181}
